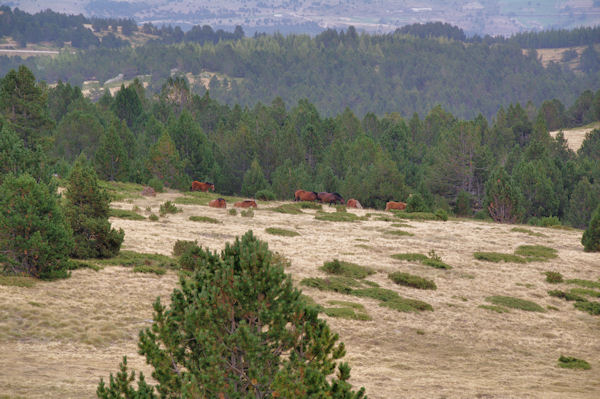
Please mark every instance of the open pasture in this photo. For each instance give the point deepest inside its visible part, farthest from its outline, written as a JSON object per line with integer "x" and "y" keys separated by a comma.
{"x": 58, "y": 338}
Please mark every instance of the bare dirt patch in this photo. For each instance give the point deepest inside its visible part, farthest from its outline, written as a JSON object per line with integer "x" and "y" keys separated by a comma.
{"x": 58, "y": 338}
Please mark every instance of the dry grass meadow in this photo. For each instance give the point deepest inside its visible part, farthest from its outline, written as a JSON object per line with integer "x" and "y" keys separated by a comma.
{"x": 58, "y": 338}
{"x": 576, "y": 136}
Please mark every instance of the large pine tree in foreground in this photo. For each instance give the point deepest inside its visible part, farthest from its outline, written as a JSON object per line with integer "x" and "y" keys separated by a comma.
{"x": 237, "y": 328}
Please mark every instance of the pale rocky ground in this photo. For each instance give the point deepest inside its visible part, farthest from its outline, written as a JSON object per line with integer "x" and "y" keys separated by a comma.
{"x": 58, "y": 338}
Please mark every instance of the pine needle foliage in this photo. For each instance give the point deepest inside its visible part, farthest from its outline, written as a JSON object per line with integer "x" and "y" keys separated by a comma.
{"x": 237, "y": 328}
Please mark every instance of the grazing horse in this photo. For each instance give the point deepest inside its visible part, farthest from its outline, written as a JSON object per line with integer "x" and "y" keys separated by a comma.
{"x": 303, "y": 195}
{"x": 245, "y": 204}
{"x": 330, "y": 198}
{"x": 400, "y": 206}
{"x": 218, "y": 203}
{"x": 352, "y": 203}
{"x": 202, "y": 186}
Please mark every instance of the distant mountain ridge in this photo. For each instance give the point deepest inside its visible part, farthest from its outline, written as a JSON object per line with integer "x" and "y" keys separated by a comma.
{"x": 493, "y": 17}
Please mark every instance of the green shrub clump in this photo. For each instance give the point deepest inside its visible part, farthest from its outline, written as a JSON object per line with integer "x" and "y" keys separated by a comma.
{"x": 265, "y": 195}
{"x": 281, "y": 232}
{"x": 181, "y": 246}
{"x": 554, "y": 277}
{"x": 568, "y": 362}
{"x": 87, "y": 210}
{"x": 515, "y": 303}
{"x": 347, "y": 269}
{"x": 591, "y": 236}
{"x": 35, "y": 238}
{"x": 156, "y": 184}
{"x": 168, "y": 207}
{"x": 410, "y": 280}
{"x": 416, "y": 203}
{"x": 248, "y": 213}
{"x": 204, "y": 219}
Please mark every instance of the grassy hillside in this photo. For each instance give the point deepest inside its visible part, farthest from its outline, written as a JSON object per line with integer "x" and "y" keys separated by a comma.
{"x": 482, "y": 331}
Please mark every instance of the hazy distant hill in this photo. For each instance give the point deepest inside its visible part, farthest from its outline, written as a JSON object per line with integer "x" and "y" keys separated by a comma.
{"x": 311, "y": 16}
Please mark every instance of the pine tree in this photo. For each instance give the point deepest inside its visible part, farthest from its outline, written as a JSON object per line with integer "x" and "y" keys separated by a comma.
{"x": 164, "y": 163}
{"x": 591, "y": 236}
{"x": 35, "y": 239}
{"x": 254, "y": 180}
{"x": 237, "y": 328}
{"x": 503, "y": 198}
{"x": 111, "y": 158}
{"x": 87, "y": 211}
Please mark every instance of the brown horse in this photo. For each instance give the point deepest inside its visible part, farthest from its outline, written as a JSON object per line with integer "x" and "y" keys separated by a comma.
{"x": 400, "y": 206}
{"x": 218, "y": 203}
{"x": 330, "y": 198}
{"x": 245, "y": 204}
{"x": 202, "y": 186}
{"x": 352, "y": 203}
{"x": 303, "y": 195}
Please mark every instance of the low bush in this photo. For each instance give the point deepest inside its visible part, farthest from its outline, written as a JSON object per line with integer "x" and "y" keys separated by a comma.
{"x": 568, "y": 362}
{"x": 416, "y": 215}
{"x": 291, "y": 209}
{"x": 410, "y": 280}
{"x": 204, "y": 219}
{"x": 265, "y": 195}
{"x": 168, "y": 207}
{"x": 131, "y": 258}
{"x": 347, "y": 269}
{"x": 309, "y": 205}
{"x": 281, "y": 232}
{"x": 549, "y": 221}
{"x": 149, "y": 269}
{"x": 438, "y": 264}
{"x": 585, "y": 291}
{"x": 153, "y": 217}
{"x": 554, "y": 277}
{"x": 407, "y": 305}
{"x": 527, "y": 231}
{"x": 125, "y": 214}
{"x": 156, "y": 184}
{"x": 182, "y": 245}
{"x": 341, "y": 208}
{"x": 248, "y": 213}
{"x": 416, "y": 203}
{"x": 381, "y": 294}
{"x": 567, "y": 296}
{"x": 515, "y": 303}
{"x": 232, "y": 212}
{"x": 592, "y": 308}
{"x": 441, "y": 214}
{"x": 347, "y": 310}
{"x": 339, "y": 284}
{"x": 591, "y": 235}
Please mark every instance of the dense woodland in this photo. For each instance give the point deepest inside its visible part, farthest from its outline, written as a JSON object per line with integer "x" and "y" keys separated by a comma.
{"x": 462, "y": 166}
{"x": 411, "y": 70}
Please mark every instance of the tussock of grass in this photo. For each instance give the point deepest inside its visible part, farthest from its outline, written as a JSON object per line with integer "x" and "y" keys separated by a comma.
{"x": 17, "y": 281}
{"x": 568, "y": 362}
{"x": 181, "y": 246}
{"x": 592, "y": 308}
{"x": 281, "y": 232}
{"x": 193, "y": 200}
{"x": 381, "y": 294}
{"x": 410, "y": 280}
{"x": 204, "y": 219}
{"x": 499, "y": 257}
{"x": 232, "y": 212}
{"x": 248, "y": 213}
{"x": 407, "y": 305}
{"x": 125, "y": 214}
{"x": 527, "y": 231}
{"x": 515, "y": 303}
{"x": 347, "y": 269}
{"x": 584, "y": 283}
{"x": 400, "y": 225}
{"x": 554, "y": 277}
{"x": 534, "y": 253}
{"x": 567, "y": 296}
{"x": 398, "y": 233}
{"x": 153, "y": 217}
{"x": 309, "y": 205}
{"x": 149, "y": 269}
{"x": 418, "y": 215}
{"x": 291, "y": 209}
{"x": 338, "y": 216}
{"x": 340, "y": 284}
{"x": 494, "y": 308}
{"x": 411, "y": 257}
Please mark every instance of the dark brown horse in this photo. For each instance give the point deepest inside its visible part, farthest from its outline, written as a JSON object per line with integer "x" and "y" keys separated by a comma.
{"x": 218, "y": 203}
{"x": 202, "y": 186}
{"x": 330, "y": 198}
{"x": 245, "y": 204}
{"x": 303, "y": 195}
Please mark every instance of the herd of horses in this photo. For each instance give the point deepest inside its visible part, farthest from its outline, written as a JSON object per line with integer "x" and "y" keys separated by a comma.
{"x": 300, "y": 195}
